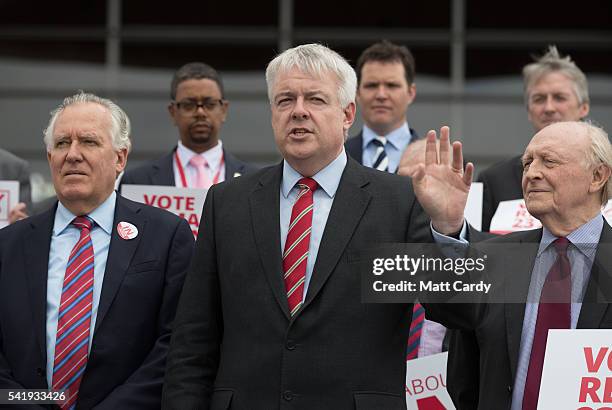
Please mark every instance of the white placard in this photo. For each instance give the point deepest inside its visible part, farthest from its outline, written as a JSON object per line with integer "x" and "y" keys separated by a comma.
{"x": 9, "y": 197}
{"x": 426, "y": 383}
{"x": 473, "y": 207}
{"x": 577, "y": 372}
{"x": 184, "y": 202}
{"x": 512, "y": 216}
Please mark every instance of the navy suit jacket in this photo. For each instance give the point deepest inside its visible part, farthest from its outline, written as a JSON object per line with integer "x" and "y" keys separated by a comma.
{"x": 354, "y": 145}
{"x": 161, "y": 171}
{"x": 142, "y": 282}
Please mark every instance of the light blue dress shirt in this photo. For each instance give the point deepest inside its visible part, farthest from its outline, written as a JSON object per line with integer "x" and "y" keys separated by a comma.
{"x": 397, "y": 141}
{"x": 63, "y": 239}
{"x": 581, "y": 254}
{"x": 328, "y": 179}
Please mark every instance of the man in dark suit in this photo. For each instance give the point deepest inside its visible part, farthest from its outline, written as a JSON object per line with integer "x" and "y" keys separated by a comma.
{"x": 198, "y": 109}
{"x": 495, "y": 361}
{"x": 386, "y": 88}
{"x": 271, "y": 314}
{"x": 555, "y": 90}
{"x": 88, "y": 289}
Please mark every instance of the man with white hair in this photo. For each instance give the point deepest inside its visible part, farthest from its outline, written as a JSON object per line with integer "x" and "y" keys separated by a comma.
{"x": 555, "y": 90}
{"x": 88, "y": 289}
{"x": 271, "y": 313}
{"x": 496, "y": 359}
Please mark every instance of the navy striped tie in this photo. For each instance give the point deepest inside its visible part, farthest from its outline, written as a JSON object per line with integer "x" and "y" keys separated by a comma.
{"x": 416, "y": 327}
{"x": 381, "y": 161}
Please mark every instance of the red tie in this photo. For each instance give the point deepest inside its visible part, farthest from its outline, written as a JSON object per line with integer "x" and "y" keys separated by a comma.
{"x": 74, "y": 317}
{"x": 553, "y": 313}
{"x": 416, "y": 328}
{"x": 295, "y": 255}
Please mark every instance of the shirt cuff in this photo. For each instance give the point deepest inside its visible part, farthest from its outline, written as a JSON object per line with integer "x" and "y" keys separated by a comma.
{"x": 440, "y": 238}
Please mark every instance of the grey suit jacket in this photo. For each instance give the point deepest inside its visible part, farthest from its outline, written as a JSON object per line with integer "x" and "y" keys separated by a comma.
{"x": 236, "y": 346}
{"x": 13, "y": 168}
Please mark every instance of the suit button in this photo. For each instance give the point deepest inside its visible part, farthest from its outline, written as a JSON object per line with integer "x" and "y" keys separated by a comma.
{"x": 290, "y": 345}
{"x": 40, "y": 372}
{"x": 287, "y": 395}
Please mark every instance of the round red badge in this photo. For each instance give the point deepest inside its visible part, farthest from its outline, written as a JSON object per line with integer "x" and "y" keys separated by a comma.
{"x": 126, "y": 230}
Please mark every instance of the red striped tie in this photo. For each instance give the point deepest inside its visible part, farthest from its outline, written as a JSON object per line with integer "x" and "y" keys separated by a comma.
{"x": 416, "y": 328}
{"x": 74, "y": 318}
{"x": 295, "y": 255}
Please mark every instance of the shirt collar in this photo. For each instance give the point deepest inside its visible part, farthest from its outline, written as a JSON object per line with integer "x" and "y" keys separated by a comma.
{"x": 328, "y": 178}
{"x": 585, "y": 238}
{"x": 395, "y": 137}
{"x": 212, "y": 156}
{"x": 103, "y": 215}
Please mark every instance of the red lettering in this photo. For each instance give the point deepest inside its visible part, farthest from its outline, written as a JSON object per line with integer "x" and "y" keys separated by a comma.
{"x": 178, "y": 200}
{"x": 166, "y": 204}
{"x": 427, "y": 384}
{"x": 151, "y": 200}
{"x": 607, "y": 396}
{"x": 190, "y": 203}
{"x": 417, "y": 386}
{"x": 193, "y": 220}
{"x": 593, "y": 366}
{"x": 589, "y": 386}
{"x": 430, "y": 403}
{"x": 408, "y": 391}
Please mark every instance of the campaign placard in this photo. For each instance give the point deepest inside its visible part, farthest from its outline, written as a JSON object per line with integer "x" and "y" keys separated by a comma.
{"x": 9, "y": 197}
{"x": 426, "y": 383}
{"x": 577, "y": 372}
{"x": 184, "y": 202}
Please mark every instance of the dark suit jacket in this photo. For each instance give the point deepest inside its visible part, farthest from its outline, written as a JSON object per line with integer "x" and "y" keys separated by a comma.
{"x": 161, "y": 171}
{"x": 235, "y": 344}
{"x": 354, "y": 145}
{"x": 142, "y": 282}
{"x": 13, "y": 168}
{"x": 483, "y": 355}
{"x": 501, "y": 182}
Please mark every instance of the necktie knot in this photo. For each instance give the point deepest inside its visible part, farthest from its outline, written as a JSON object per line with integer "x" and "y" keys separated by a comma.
{"x": 83, "y": 222}
{"x": 561, "y": 245}
{"x": 308, "y": 183}
{"x": 198, "y": 161}
{"x": 380, "y": 141}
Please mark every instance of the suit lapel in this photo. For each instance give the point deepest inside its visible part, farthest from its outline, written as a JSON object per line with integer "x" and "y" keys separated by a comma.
{"x": 518, "y": 284}
{"x": 348, "y": 207}
{"x": 164, "y": 171}
{"x": 599, "y": 287}
{"x": 36, "y": 255}
{"x": 265, "y": 210}
{"x": 232, "y": 165}
{"x": 120, "y": 254}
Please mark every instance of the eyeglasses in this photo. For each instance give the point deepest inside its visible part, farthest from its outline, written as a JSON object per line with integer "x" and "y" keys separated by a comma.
{"x": 191, "y": 106}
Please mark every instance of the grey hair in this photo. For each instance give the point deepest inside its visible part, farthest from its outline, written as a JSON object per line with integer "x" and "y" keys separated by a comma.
{"x": 316, "y": 60}
{"x": 599, "y": 153}
{"x": 552, "y": 62}
{"x": 120, "y": 123}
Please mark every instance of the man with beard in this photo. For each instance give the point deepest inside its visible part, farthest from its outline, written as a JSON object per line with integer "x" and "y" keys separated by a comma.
{"x": 198, "y": 109}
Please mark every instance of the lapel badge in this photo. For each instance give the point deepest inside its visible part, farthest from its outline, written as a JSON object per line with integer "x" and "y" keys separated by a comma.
{"x": 237, "y": 174}
{"x": 126, "y": 230}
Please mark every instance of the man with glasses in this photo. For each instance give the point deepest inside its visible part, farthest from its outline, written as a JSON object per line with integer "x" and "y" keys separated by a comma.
{"x": 198, "y": 109}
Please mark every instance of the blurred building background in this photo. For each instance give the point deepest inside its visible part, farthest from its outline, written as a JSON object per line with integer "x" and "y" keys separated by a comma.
{"x": 469, "y": 55}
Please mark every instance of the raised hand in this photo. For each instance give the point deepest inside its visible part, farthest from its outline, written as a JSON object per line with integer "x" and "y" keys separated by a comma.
{"x": 441, "y": 184}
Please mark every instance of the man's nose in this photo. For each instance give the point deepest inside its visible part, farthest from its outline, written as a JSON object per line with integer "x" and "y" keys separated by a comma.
{"x": 299, "y": 110}
{"x": 74, "y": 152}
